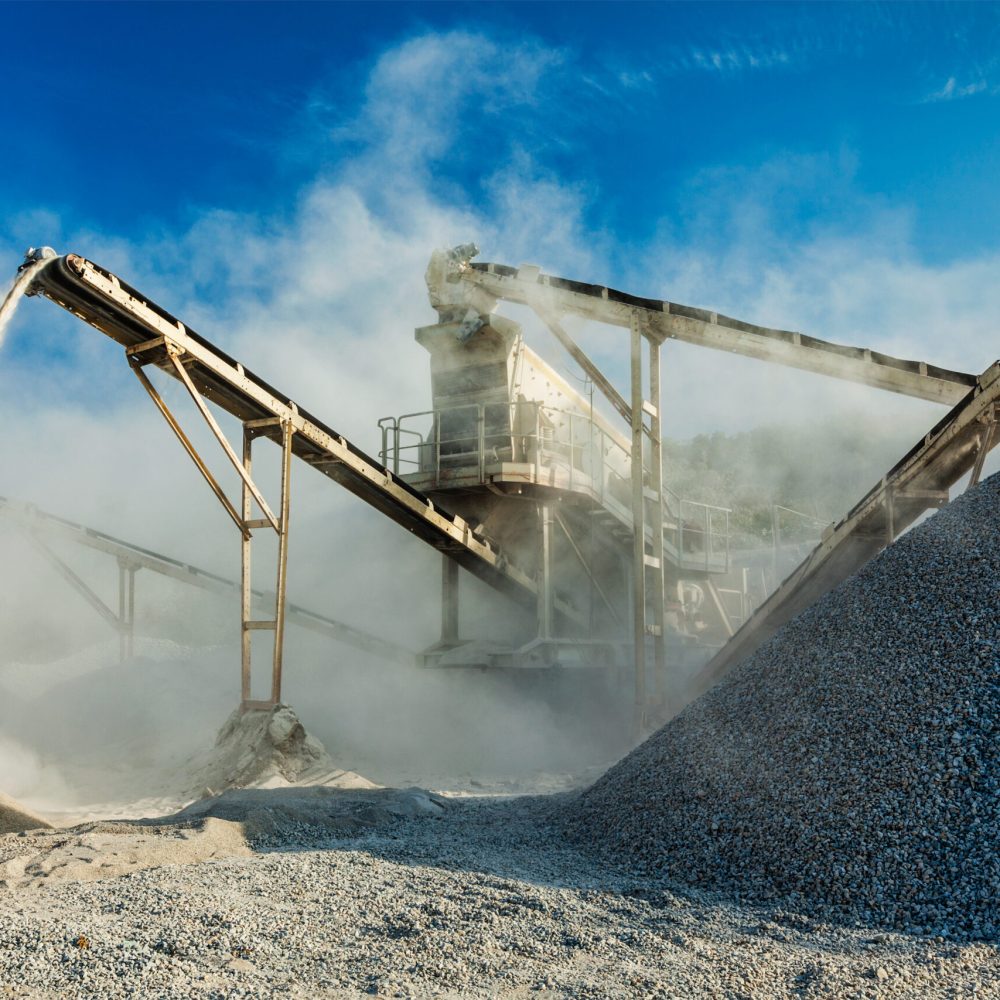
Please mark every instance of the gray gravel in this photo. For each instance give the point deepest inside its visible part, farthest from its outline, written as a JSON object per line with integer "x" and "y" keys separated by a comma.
{"x": 851, "y": 767}
{"x": 485, "y": 900}
{"x": 822, "y": 824}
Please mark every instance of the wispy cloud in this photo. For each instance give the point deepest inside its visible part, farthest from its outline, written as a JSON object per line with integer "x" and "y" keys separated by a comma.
{"x": 422, "y": 97}
{"x": 738, "y": 58}
{"x": 954, "y": 91}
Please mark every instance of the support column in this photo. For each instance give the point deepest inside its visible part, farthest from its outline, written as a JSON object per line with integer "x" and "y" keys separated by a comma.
{"x": 130, "y": 607}
{"x": 656, "y": 518}
{"x": 282, "y": 574}
{"x": 126, "y": 609}
{"x": 449, "y": 600}
{"x": 276, "y": 624}
{"x": 246, "y": 576}
{"x": 279, "y": 428}
{"x": 546, "y": 602}
{"x": 639, "y": 529}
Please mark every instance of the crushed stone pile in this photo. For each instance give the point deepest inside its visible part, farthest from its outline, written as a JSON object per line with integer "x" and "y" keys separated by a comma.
{"x": 273, "y": 817}
{"x": 263, "y": 749}
{"x": 851, "y": 767}
{"x": 15, "y": 818}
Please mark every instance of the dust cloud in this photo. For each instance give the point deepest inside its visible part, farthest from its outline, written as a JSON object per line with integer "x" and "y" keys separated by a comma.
{"x": 321, "y": 300}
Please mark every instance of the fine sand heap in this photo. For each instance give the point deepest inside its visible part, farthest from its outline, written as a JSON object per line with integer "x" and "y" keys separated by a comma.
{"x": 850, "y": 767}
{"x": 263, "y": 749}
{"x": 266, "y": 783}
{"x": 15, "y": 818}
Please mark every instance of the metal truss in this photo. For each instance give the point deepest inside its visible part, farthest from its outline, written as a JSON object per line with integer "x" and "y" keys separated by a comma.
{"x": 140, "y": 355}
{"x": 43, "y": 528}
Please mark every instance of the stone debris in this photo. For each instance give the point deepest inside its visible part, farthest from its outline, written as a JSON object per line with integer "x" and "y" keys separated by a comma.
{"x": 841, "y": 790}
{"x": 262, "y": 748}
{"x": 484, "y": 899}
{"x": 273, "y": 816}
{"x": 851, "y": 767}
{"x": 108, "y": 850}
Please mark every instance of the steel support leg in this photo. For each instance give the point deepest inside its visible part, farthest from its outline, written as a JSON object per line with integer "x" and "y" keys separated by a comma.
{"x": 277, "y": 624}
{"x": 250, "y": 494}
{"x": 280, "y": 589}
{"x": 656, "y": 519}
{"x": 126, "y": 609}
{"x": 449, "y": 600}
{"x": 639, "y": 530}
{"x": 246, "y": 574}
{"x": 546, "y": 603}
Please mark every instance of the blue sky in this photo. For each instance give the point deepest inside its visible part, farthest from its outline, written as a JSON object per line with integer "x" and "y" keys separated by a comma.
{"x": 278, "y": 174}
{"x": 128, "y": 117}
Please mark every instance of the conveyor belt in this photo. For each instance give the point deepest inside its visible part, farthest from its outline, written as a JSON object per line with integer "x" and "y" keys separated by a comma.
{"x": 918, "y": 482}
{"x": 30, "y": 518}
{"x": 673, "y": 321}
{"x": 119, "y": 311}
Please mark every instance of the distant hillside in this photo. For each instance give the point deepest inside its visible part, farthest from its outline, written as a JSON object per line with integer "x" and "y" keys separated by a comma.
{"x": 821, "y": 469}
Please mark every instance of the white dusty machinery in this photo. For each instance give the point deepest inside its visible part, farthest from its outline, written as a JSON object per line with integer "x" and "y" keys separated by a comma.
{"x": 516, "y": 478}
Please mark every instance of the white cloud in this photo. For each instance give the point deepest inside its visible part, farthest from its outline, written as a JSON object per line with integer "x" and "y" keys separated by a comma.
{"x": 738, "y": 58}
{"x": 322, "y": 300}
{"x": 422, "y": 96}
{"x": 953, "y": 91}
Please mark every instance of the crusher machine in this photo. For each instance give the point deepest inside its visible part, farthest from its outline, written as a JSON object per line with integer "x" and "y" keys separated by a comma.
{"x": 516, "y": 478}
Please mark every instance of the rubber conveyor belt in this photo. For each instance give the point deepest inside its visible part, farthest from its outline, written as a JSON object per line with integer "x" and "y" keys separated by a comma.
{"x": 32, "y": 519}
{"x": 119, "y": 311}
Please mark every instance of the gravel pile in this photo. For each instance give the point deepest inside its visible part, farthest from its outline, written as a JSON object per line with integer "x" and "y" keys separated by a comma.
{"x": 484, "y": 900}
{"x": 851, "y": 767}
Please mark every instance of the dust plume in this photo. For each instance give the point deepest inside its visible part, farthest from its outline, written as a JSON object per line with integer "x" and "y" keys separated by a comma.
{"x": 26, "y": 274}
{"x": 321, "y": 300}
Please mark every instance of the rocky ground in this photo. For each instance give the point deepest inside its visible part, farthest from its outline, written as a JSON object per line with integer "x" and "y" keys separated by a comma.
{"x": 822, "y": 824}
{"x": 378, "y": 892}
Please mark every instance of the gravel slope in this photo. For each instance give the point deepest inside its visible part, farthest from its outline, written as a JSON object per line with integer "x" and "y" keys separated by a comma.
{"x": 484, "y": 900}
{"x": 850, "y": 767}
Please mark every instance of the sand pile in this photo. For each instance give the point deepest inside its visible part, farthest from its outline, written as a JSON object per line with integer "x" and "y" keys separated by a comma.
{"x": 851, "y": 766}
{"x": 103, "y": 850}
{"x": 15, "y": 818}
{"x": 263, "y": 748}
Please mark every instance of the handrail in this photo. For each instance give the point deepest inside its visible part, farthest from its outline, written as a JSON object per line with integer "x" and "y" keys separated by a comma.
{"x": 593, "y": 459}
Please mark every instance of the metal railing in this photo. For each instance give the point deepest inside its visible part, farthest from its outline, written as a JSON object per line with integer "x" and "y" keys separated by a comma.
{"x": 483, "y": 435}
{"x": 478, "y": 438}
{"x": 702, "y": 529}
